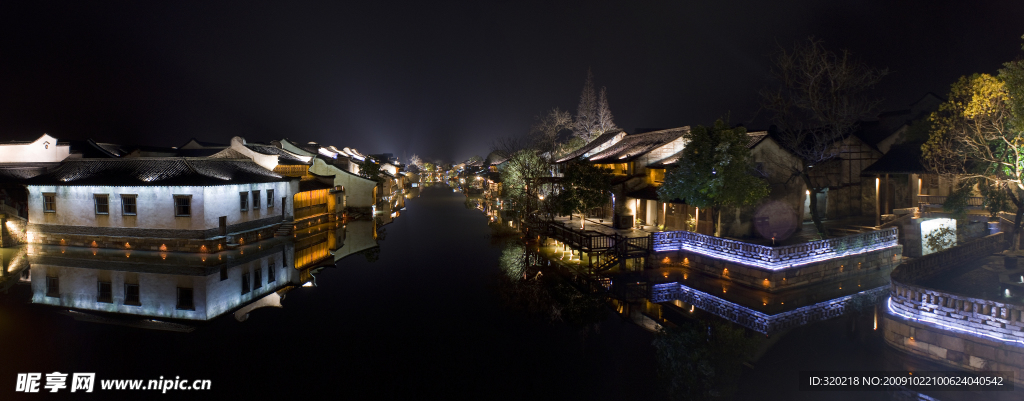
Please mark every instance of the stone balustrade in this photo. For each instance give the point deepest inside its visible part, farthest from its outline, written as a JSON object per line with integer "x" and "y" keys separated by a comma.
{"x": 776, "y": 258}
{"x": 752, "y": 319}
{"x": 982, "y": 317}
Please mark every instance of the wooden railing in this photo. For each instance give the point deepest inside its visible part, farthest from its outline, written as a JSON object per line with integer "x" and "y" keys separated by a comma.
{"x": 775, "y": 258}
{"x": 978, "y": 201}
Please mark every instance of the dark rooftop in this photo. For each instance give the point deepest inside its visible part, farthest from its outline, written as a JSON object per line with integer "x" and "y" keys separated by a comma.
{"x": 901, "y": 159}
{"x": 156, "y": 172}
{"x": 283, "y": 156}
{"x": 633, "y": 146}
{"x": 602, "y": 139}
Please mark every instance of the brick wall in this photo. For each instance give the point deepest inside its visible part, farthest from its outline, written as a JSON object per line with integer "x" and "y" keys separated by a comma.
{"x": 12, "y": 231}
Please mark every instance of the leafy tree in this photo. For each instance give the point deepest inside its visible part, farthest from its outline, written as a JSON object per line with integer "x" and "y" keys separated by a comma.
{"x": 567, "y": 147}
{"x": 714, "y": 171}
{"x": 548, "y": 129}
{"x": 519, "y": 175}
{"x": 817, "y": 101}
{"x": 371, "y": 170}
{"x": 584, "y": 187}
{"x": 700, "y": 361}
{"x": 977, "y": 138}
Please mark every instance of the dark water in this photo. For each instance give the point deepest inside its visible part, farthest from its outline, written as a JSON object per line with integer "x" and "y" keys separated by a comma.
{"x": 422, "y": 321}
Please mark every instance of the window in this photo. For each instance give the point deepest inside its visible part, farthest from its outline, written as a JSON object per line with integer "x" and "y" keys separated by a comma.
{"x": 245, "y": 283}
{"x": 50, "y": 203}
{"x": 52, "y": 287}
{"x": 102, "y": 203}
{"x": 270, "y": 273}
{"x": 131, "y": 294}
{"x": 255, "y": 200}
{"x": 182, "y": 205}
{"x": 128, "y": 204}
{"x": 104, "y": 293}
{"x": 223, "y": 272}
{"x": 243, "y": 201}
{"x": 270, "y": 199}
{"x": 185, "y": 299}
{"x": 258, "y": 279}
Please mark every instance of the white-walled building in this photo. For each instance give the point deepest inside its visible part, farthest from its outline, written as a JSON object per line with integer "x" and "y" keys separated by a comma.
{"x": 154, "y": 199}
{"x": 45, "y": 149}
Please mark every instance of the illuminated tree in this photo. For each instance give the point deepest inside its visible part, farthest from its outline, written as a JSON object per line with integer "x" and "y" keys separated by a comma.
{"x": 584, "y": 187}
{"x": 371, "y": 169}
{"x": 818, "y": 98}
{"x": 701, "y": 361}
{"x": 586, "y": 113}
{"x": 548, "y": 129}
{"x": 605, "y": 121}
{"x": 977, "y": 138}
{"x": 715, "y": 170}
{"x": 415, "y": 160}
{"x": 519, "y": 174}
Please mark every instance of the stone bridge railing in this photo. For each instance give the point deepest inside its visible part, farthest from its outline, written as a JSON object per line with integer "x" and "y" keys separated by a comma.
{"x": 994, "y": 319}
{"x": 775, "y": 258}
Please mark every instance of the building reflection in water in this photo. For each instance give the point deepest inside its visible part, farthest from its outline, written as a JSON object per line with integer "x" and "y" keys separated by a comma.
{"x": 112, "y": 286}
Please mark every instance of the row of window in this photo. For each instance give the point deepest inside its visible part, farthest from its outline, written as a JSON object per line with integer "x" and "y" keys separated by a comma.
{"x": 243, "y": 200}
{"x": 105, "y": 294}
{"x": 129, "y": 205}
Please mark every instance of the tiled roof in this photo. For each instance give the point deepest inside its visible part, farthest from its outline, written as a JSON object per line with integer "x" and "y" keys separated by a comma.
{"x": 283, "y": 156}
{"x": 204, "y": 144}
{"x": 756, "y": 138}
{"x": 633, "y": 146}
{"x": 156, "y": 172}
{"x": 667, "y": 162}
{"x": 901, "y": 159}
{"x": 22, "y": 171}
{"x": 602, "y": 139}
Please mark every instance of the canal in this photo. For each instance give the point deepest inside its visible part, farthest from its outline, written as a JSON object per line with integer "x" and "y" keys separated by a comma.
{"x": 429, "y": 315}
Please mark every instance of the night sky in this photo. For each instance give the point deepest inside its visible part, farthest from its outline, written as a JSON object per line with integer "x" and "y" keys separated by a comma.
{"x": 445, "y": 80}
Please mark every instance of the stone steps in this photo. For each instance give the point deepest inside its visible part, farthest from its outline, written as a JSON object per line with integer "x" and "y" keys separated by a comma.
{"x": 285, "y": 230}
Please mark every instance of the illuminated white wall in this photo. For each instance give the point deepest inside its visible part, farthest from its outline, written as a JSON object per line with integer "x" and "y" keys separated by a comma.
{"x": 75, "y": 205}
{"x": 358, "y": 190}
{"x": 266, "y": 161}
{"x": 931, "y": 225}
{"x": 44, "y": 149}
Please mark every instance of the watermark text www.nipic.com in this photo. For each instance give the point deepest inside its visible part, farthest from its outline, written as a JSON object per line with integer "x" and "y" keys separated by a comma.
{"x": 86, "y": 383}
